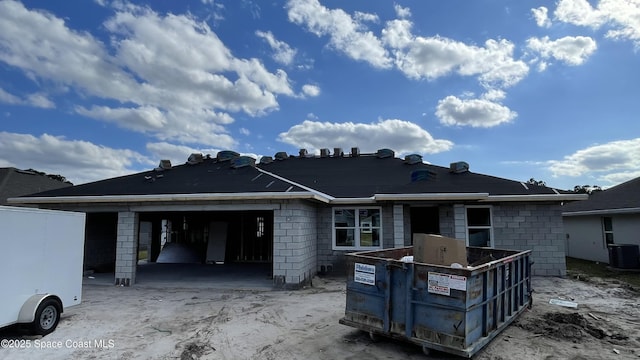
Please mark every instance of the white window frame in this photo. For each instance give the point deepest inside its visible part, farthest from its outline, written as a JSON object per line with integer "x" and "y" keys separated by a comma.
{"x": 356, "y": 228}
{"x": 482, "y": 227}
{"x": 605, "y": 232}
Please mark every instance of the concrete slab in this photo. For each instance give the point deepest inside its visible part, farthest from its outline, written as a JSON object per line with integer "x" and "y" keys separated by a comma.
{"x": 241, "y": 276}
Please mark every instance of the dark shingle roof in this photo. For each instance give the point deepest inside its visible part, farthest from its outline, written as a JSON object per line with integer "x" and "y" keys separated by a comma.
{"x": 209, "y": 176}
{"x": 14, "y": 182}
{"x": 623, "y": 196}
{"x": 366, "y": 175}
{"x": 361, "y": 176}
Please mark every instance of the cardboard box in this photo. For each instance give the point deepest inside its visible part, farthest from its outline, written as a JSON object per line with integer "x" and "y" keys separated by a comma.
{"x": 439, "y": 250}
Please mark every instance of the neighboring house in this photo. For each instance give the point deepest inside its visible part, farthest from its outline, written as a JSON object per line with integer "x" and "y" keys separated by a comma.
{"x": 15, "y": 182}
{"x": 303, "y": 213}
{"x": 611, "y": 216}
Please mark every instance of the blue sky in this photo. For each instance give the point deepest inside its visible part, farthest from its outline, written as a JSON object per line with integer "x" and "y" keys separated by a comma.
{"x": 518, "y": 89}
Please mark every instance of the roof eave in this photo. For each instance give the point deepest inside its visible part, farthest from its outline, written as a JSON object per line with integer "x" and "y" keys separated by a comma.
{"x": 602, "y": 212}
{"x": 169, "y": 197}
{"x": 536, "y": 197}
{"x": 430, "y": 196}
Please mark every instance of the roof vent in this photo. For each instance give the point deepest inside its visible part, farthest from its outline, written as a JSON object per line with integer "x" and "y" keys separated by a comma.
{"x": 324, "y": 153}
{"x": 422, "y": 175}
{"x": 337, "y": 152}
{"x": 413, "y": 159}
{"x": 355, "y": 151}
{"x": 303, "y": 153}
{"x": 385, "y": 153}
{"x": 243, "y": 161}
{"x": 281, "y": 155}
{"x": 266, "y": 160}
{"x": 164, "y": 165}
{"x": 459, "y": 167}
{"x": 195, "y": 159}
{"x": 226, "y": 155}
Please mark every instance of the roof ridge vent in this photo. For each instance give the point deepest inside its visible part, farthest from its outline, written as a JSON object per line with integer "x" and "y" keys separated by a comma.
{"x": 412, "y": 159}
{"x": 281, "y": 155}
{"x": 422, "y": 175}
{"x": 355, "y": 152}
{"x": 324, "y": 152}
{"x": 337, "y": 152}
{"x": 303, "y": 153}
{"x": 195, "y": 158}
{"x": 266, "y": 160}
{"x": 385, "y": 153}
{"x": 459, "y": 167}
{"x": 164, "y": 165}
{"x": 243, "y": 161}
{"x": 226, "y": 155}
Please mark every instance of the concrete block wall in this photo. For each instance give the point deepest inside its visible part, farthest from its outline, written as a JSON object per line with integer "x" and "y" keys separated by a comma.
{"x": 126, "y": 248}
{"x": 536, "y": 227}
{"x": 294, "y": 244}
{"x": 447, "y": 223}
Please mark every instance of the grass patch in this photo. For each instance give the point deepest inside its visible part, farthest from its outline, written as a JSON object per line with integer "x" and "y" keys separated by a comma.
{"x": 586, "y": 269}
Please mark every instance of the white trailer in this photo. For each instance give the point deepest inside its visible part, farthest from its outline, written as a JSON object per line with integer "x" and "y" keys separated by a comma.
{"x": 41, "y": 258}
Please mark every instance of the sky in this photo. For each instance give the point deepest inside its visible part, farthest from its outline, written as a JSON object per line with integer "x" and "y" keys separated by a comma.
{"x": 518, "y": 89}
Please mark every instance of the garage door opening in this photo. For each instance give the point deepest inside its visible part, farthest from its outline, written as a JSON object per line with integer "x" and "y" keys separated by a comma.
{"x": 206, "y": 237}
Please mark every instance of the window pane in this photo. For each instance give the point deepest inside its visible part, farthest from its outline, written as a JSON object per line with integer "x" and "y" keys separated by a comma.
{"x": 608, "y": 224}
{"x": 609, "y": 238}
{"x": 369, "y": 217}
{"x": 478, "y": 217}
{"x": 370, "y": 237}
{"x": 479, "y": 237}
{"x": 345, "y": 218}
{"x": 345, "y": 237}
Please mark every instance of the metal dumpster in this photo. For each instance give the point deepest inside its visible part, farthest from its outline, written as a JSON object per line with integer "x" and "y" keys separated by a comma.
{"x": 454, "y": 310}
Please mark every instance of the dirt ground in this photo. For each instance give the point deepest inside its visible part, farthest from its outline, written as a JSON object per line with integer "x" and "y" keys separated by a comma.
{"x": 177, "y": 323}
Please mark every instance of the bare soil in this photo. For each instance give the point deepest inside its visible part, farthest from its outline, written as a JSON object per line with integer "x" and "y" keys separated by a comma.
{"x": 188, "y": 324}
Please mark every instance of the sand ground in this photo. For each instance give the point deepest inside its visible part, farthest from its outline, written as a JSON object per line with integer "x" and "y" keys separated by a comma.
{"x": 186, "y": 323}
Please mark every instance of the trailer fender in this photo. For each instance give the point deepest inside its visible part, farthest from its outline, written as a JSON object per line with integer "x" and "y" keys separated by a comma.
{"x": 28, "y": 311}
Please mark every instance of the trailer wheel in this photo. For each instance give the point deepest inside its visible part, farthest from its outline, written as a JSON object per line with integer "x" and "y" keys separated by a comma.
{"x": 47, "y": 317}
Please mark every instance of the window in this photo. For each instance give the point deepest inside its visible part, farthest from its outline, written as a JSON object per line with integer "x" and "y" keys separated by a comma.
{"x": 607, "y": 230}
{"x": 356, "y": 228}
{"x": 479, "y": 230}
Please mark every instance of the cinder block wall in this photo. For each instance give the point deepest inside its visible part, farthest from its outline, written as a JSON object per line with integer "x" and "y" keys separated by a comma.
{"x": 539, "y": 228}
{"x": 127, "y": 248}
{"x": 294, "y": 244}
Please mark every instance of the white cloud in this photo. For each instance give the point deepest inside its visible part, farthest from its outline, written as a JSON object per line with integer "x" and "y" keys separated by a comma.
{"x": 38, "y": 100}
{"x": 572, "y": 50}
{"x": 346, "y": 34}
{"x": 616, "y": 160}
{"x": 541, "y": 16}
{"x": 399, "y": 135}
{"x": 161, "y": 69}
{"x": 283, "y": 53}
{"x": 311, "y": 90}
{"x": 402, "y": 12}
{"x": 366, "y": 17}
{"x": 484, "y": 112}
{"x": 433, "y": 57}
{"x": 621, "y": 16}
{"x": 78, "y": 161}
{"x": 245, "y": 131}
{"x": 8, "y": 98}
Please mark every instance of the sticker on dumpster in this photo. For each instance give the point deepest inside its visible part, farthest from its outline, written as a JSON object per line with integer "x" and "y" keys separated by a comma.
{"x": 365, "y": 274}
{"x": 458, "y": 282}
{"x": 443, "y": 283}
